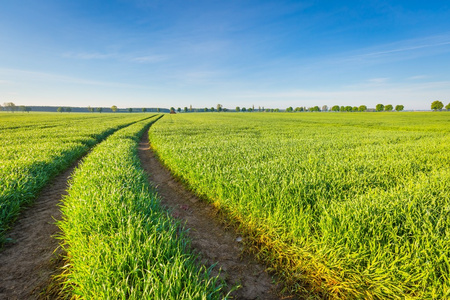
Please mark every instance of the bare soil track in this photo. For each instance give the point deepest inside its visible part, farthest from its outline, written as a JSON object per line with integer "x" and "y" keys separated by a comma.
{"x": 214, "y": 242}
{"x": 28, "y": 263}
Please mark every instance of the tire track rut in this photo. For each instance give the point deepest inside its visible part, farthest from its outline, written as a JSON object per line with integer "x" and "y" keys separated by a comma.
{"x": 28, "y": 263}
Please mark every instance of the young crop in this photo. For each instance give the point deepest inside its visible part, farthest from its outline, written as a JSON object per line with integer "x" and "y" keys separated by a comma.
{"x": 120, "y": 243}
{"x": 355, "y": 206}
{"x": 37, "y": 147}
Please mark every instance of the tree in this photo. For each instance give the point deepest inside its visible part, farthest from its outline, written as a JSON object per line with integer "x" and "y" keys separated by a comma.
{"x": 212, "y": 108}
{"x": 158, "y": 110}
{"x": 99, "y": 109}
{"x": 185, "y": 109}
{"x": 447, "y": 107}
{"x": 238, "y": 108}
{"x": 219, "y": 107}
{"x": 172, "y": 110}
{"x": 1, "y": 108}
{"x": 348, "y": 108}
{"x": 205, "y": 109}
{"x": 250, "y": 109}
{"x": 335, "y": 108}
{"x": 379, "y": 107}
{"x": 68, "y": 109}
{"x": 298, "y": 109}
{"x": 388, "y": 107}
{"x": 399, "y": 107}
{"x": 10, "y": 106}
{"x": 289, "y": 109}
{"x": 130, "y": 110}
{"x": 179, "y": 109}
{"x": 144, "y": 109}
{"x": 244, "y": 109}
{"x": 342, "y": 108}
{"x": 91, "y": 109}
{"x": 114, "y": 108}
{"x": 22, "y": 108}
{"x": 437, "y": 105}
{"x": 190, "y": 108}
{"x": 362, "y": 108}
{"x": 28, "y": 109}
{"x": 325, "y": 108}
{"x": 60, "y": 109}
{"x": 354, "y": 108}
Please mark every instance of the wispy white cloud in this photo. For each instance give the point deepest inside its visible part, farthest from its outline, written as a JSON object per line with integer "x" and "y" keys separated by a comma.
{"x": 6, "y": 82}
{"x": 89, "y": 56}
{"x": 404, "y": 49}
{"x": 150, "y": 58}
{"x": 417, "y": 77}
{"x": 400, "y": 50}
{"x": 378, "y": 80}
{"x": 50, "y": 77}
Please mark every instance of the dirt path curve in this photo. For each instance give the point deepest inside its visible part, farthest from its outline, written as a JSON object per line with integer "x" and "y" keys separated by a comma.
{"x": 209, "y": 237}
{"x": 27, "y": 264}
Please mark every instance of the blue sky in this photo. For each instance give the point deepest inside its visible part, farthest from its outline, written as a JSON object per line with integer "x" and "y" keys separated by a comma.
{"x": 138, "y": 53}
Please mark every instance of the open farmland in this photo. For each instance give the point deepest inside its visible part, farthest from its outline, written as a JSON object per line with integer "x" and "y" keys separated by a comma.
{"x": 36, "y": 147}
{"x": 347, "y": 205}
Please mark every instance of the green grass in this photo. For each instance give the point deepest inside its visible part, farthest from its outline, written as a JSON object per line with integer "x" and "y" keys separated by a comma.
{"x": 120, "y": 243}
{"x": 345, "y": 205}
{"x": 36, "y": 147}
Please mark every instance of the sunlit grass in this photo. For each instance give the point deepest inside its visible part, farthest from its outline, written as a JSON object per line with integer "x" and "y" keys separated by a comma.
{"x": 352, "y": 205}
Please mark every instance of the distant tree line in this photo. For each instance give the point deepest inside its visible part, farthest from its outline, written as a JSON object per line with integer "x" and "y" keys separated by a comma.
{"x": 348, "y": 108}
{"x": 62, "y": 109}
{"x": 10, "y": 106}
{"x": 220, "y": 108}
{"x": 438, "y": 105}
{"x": 335, "y": 108}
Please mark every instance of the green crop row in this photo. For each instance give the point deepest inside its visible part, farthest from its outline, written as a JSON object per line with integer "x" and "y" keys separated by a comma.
{"x": 348, "y": 206}
{"x": 36, "y": 147}
{"x": 120, "y": 243}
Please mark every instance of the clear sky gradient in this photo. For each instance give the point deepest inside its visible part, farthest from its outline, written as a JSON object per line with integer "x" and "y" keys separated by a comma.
{"x": 139, "y": 53}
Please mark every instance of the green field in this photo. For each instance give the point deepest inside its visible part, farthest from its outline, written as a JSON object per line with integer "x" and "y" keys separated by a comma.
{"x": 339, "y": 205}
{"x": 36, "y": 147}
{"x": 346, "y": 205}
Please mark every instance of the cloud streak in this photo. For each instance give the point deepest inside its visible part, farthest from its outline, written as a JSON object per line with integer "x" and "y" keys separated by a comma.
{"x": 89, "y": 56}
{"x": 50, "y": 77}
{"x": 409, "y": 48}
{"x": 151, "y": 58}
{"x": 6, "y": 82}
